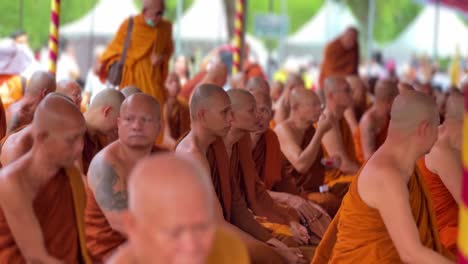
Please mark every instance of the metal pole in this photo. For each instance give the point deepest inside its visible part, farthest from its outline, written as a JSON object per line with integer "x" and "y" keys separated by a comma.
{"x": 436, "y": 31}
{"x": 370, "y": 27}
{"x": 180, "y": 4}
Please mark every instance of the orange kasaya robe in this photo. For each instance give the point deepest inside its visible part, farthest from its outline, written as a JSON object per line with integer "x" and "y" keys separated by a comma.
{"x": 234, "y": 206}
{"x": 59, "y": 208}
{"x": 358, "y": 234}
{"x": 179, "y": 119}
{"x": 12, "y": 89}
{"x": 309, "y": 183}
{"x": 379, "y": 140}
{"x": 190, "y": 86}
{"x": 339, "y": 61}
{"x": 253, "y": 70}
{"x": 3, "y": 124}
{"x": 228, "y": 249}
{"x": 138, "y": 69}
{"x": 445, "y": 207}
{"x": 336, "y": 176}
{"x": 101, "y": 239}
{"x": 91, "y": 146}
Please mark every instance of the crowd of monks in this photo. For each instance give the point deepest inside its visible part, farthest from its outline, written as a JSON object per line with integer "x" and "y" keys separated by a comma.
{"x": 157, "y": 172}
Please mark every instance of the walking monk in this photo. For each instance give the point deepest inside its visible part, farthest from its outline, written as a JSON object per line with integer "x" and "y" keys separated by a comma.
{"x": 149, "y": 50}
{"x": 300, "y": 143}
{"x": 106, "y": 208}
{"x": 387, "y": 217}
{"x": 442, "y": 171}
{"x": 172, "y": 218}
{"x": 372, "y": 130}
{"x": 338, "y": 141}
{"x": 42, "y": 196}
{"x": 21, "y": 113}
{"x": 210, "y": 111}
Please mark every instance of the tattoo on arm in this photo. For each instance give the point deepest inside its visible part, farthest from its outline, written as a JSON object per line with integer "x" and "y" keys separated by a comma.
{"x": 110, "y": 195}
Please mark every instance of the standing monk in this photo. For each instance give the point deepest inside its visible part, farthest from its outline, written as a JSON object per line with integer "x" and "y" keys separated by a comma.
{"x": 149, "y": 51}
{"x": 341, "y": 56}
{"x": 338, "y": 141}
{"x": 21, "y": 113}
{"x": 170, "y": 199}
{"x": 387, "y": 215}
{"x": 41, "y": 193}
{"x": 372, "y": 130}
{"x": 442, "y": 171}
{"x": 70, "y": 89}
{"x": 106, "y": 208}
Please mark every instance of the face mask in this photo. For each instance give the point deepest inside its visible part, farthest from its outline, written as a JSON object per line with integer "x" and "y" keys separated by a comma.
{"x": 150, "y": 23}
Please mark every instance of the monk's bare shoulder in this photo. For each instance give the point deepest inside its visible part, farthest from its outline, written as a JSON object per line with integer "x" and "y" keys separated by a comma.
{"x": 11, "y": 186}
{"x": 16, "y": 145}
{"x": 122, "y": 256}
{"x": 188, "y": 147}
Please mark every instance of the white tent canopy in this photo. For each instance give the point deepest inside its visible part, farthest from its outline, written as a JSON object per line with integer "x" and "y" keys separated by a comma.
{"x": 418, "y": 37}
{"x": 332, "y": 19}
{"x": 103, "y": 20}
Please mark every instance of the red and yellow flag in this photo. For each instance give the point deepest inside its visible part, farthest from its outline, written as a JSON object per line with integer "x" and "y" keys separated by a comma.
{"x": 463, "y": 223}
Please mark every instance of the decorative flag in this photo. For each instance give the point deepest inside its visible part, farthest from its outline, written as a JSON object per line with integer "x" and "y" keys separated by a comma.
{"x": 239, "y": 31}
{"x": 463, "y": 223}
{"x": 54, "y": 35}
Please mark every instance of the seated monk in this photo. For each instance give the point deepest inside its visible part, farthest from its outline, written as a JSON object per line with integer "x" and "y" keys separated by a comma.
{"x": 387, "y": 215}
{"x": 216, "y": 74}
{"x": 372, "y": 130}
{"x": 71, "y": 89}
{"x": 359, "y": 97}
{"x": 42, "y": 196}
{"x": 101, "y": 124}
{"x": 130, "y": 90}
{"x": 106, "y": 207}
{"x": 210, "y": 112}
{"x": 176, "y": 112}
{"x": 283, "y": 107}
{"x": 276, "y": 91}
{"x": 21, "y": 113}
{"x": 442, "y": 171}
{"x": 300, "y": 143}
{"x": 338, "y": 141}
{"x": 170, "y": 199}
{"x": 281, "y": 220}
{"x": 257, "y": 84}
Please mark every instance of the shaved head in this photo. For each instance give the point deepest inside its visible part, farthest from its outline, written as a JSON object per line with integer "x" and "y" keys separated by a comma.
{"x": 130, "y": 90}
{"x": 262, "y": 98}
{"x": 303, "y": 96}
{"x": 305, "y": 106}
{"x": 107, "y": 97}
{"x": 71, "y": 89}
{"x": 357, "y": 87}
{"x": 294, "y": 80}
{"x": 454, "y": 108}
{"x": 216, "y": 75}
{"x": 333, "y": 84}
{"x": 203, "y": 96}
{"x": 410, "y": 109}
{"x": 141, "y": 99}
{"x": 55, "y": 112}
{"x": 238, "y": 80}
{"x": 170, "y": 198}
{"x": 40, "y": 84}
{"x": 244, "y": 110}
{"x": 239, "y": 98}
{"x": 385, "y": 90}
{"x": 257, "y": 84}
{"x": 425, "y": 88}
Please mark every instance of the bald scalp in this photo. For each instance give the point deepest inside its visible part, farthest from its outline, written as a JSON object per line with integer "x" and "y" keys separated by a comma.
{"x": 130, "y": 90}
{"x": 454, "y": 108}
{"x": 203, "y": 96}
{"x": 107, "y": 97}
{"x": 333, "y": 83}
{"x": 257, "y": 84}
{"x": 239, "y": 98}
{"x": 238, "y": 80}
{"x": 303, "y": 96}
{"x": 385, "y": 90}
{"x": 150, "y": 187}
{"x": 64, "y": 86}
{"x": 294, "y": 80}
{"x": 216, "y": 75}
{"x": 262, "y": 99}
{"x": 41, "y": 82}
{"x": 410, "y": 109}
{"x": 141, "y": 99}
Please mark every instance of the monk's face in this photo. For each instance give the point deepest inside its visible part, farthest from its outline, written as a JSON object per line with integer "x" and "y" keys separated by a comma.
{"x": 153, "y": 11}
{"x": 246, "y": 116}
{"x": 139, "y": 124}
{"x": 309, "y": 110}
{"x": 343, "y": 95}
{"x": 172, "y": 85}
{"x": 264, "y": 114}
{"x": 218, "y": 117}
{"x": 73, "y": 91}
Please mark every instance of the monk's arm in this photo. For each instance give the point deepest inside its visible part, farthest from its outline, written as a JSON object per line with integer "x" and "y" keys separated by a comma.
{"x": 300, "y": 159}
{"x": 11, "y": 151}
{"x": 110, "y": 193}
{"x": 447, "y": 164}
{"x": 281, "y": 111}
{"x": 334, "y": 146}
{"x": 389, "y": 194}
{"x": 367, "y": 137}
{"x": 351, "y": 119}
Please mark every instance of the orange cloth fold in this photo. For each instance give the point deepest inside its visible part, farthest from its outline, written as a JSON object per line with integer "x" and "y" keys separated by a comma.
{"x": 358, "y": 233}
{"x": 445, "y": 208}
{"x": 92, "y": 145}
{"x": 138, "y": 69}
{"x": 63, "y": 237}
{"x": 339, "y": 61}
{"x": 253, "y": 70}
{"x": 190, "y": 86}
{"x": 379, "y": 140}
{"x": 12, "y": 89}
{"x": 179, "y": 119}
{"x": 228, "y": 248}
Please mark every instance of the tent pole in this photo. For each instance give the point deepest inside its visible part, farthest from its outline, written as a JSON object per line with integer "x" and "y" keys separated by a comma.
{"x": 436, "y": 31}
{"x": 370, "y": 27}
{"x": 178, "y": 27}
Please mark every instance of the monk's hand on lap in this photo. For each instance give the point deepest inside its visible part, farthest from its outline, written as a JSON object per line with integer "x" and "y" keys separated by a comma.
{"x": 156, "y": 59}
{"x": 299, "y": 233}
{"x": 291, "y": 255}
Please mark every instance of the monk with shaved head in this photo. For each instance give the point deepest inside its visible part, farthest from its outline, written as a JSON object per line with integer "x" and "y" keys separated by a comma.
{"x": 257, "y": 84}
{"x": 176, "y": 112}
{"x": 21, "y": 113}
{"x": 101, "y": 123}
{"x": 442, "y": 170}
{"x": 283, "y": 106}
{"x": 170, "y": 199}
{"x": 372, "y": 130}
{"x": 238, "y": 81}
{"x": 106, "y": 207}
{"x": 338, "y": 141}
{"x": 71, "y": 89}
{"x": 300, "y": 142}
{"x": 387, "y": 215}
{"x": 359, "y": 101}
{"x": 130, "y": 90}
{"x": 42, "y": 196}
{"x": 210, "y": 111}
{"x": 216, "y": 75}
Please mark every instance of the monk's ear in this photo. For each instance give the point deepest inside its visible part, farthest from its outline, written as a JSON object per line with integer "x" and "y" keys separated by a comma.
{"x": 107, "y": 110}
{"x": 201, "y": 114}
{"x": 128, "y": 222}
{"x": 41, "y": 136}
{"x": 423, "y": 128}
